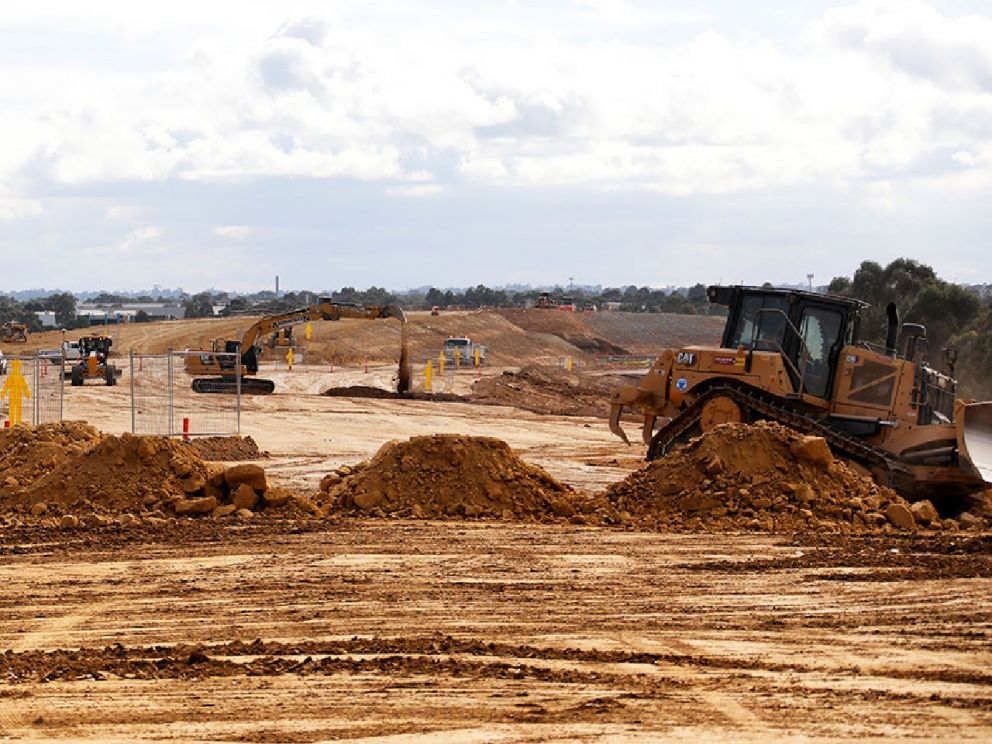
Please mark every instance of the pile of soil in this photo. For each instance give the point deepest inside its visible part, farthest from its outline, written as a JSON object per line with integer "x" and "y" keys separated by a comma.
{"x": 550, "y": 390}
{"x": 763, "y": 477}
{"x": 447, "y": 475}
{"x": 27, "y": 453}
{"x": 369, "y": 391}
{"x": 70, "y": 472}
{"x": 227, "y": 449}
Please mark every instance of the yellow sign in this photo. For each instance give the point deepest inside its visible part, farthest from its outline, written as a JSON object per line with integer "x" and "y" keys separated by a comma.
{"x": 289, "y": 359}
{"x": 15, "y": 389}
{"x": 308, "y": 333}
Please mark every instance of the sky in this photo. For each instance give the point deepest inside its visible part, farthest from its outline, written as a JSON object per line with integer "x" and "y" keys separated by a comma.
{"x": 400, "y": 144}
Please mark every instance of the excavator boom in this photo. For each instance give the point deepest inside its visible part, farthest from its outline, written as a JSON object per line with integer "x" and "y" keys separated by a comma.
{"x": 223, "y": 373}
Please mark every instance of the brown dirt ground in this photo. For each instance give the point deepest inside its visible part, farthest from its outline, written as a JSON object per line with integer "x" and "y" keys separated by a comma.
{"x": 454, "y": 632}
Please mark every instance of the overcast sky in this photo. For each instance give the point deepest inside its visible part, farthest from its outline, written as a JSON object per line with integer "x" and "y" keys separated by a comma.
{"x": 212, "y": 143}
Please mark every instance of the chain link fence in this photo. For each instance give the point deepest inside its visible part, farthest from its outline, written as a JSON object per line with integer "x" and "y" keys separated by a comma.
{"x": 31, "y": 389}
{"x": 163, "y": 401}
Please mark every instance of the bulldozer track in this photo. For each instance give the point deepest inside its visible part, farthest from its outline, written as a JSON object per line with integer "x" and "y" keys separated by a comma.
{"x": 229, "y": 386}
{"x": 759, "y": 405}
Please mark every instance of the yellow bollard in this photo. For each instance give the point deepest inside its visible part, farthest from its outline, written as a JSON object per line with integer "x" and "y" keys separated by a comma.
{"x": 428, "y": 373}
{"x": 476, "y": 355}
{"x": 440, "y": 363}
{"x": 568, "y": 363}
{"x": 458, "y": 359}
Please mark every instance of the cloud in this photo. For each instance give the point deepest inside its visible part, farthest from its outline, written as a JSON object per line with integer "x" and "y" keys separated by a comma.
{"x": 19, "y": 209}
{"x": 232, "y": 232}
{"x": 578, "y": 95}
{"x": 137, "y": 238}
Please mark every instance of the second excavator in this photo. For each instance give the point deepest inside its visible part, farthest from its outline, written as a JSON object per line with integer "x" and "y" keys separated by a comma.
{"x": 218, "y": 370}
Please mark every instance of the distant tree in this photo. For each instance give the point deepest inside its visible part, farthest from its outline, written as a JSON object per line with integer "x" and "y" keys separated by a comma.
{"x": 63, "y": 305}
{"x": 142, "y": 317}
{"x": 199, "y": 306}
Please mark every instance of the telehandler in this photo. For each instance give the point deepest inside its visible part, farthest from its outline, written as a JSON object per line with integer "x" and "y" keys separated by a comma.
{"x": 795, "y": 357}
{"x": 221, "y": 364}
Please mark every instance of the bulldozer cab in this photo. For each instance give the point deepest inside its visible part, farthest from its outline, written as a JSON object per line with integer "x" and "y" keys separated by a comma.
{"x": 809, "y": 330}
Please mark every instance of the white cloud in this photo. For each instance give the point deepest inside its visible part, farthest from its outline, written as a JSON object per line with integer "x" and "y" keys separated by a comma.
{"x": 572, "y": 96}
{"x": 138, "y": 238}
{"x": 232, "y": 232}
{"x": 19, "y": 209}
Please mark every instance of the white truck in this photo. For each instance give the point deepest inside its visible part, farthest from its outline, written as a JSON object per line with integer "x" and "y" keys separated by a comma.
{"x": 461, "y": 351}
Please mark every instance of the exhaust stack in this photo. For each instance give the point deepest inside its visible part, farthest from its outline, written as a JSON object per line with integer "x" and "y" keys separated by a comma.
{"x": 892, "y": 337}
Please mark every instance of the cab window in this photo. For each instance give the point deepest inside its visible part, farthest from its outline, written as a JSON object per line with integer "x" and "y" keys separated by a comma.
{"x": 765, "y": 329}
{"x": 821, "y": 331}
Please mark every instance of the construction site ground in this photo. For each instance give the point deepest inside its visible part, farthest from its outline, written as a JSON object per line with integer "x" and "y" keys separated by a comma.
{"x": 290, "y": 628}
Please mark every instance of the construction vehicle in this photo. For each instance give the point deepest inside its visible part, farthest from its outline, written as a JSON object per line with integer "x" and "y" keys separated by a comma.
{"x": 795, "y": 357}
{"x": 283, "y": 338}
{"x": 13, "y": 333}
{"x": 93, "y": 363}
{"x": 228, "y": 358}
{"x": 461, "y": 351}
{"x": 545, "y": 301}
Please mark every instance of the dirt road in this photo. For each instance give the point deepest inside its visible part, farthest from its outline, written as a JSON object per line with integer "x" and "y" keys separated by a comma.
{"x": 400, "y": 631}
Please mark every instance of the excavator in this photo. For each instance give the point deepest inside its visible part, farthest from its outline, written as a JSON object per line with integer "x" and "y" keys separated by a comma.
{"x": 220, "y": 366}
{"x": 795, "y": 357}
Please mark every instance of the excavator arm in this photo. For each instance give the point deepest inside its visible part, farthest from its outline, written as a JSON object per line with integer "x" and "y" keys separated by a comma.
{"x": 325, "y": 310}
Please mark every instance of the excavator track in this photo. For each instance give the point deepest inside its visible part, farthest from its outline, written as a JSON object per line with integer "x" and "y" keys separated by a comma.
{"x": 229, "y": 386}
{"x": 758, "y": 405}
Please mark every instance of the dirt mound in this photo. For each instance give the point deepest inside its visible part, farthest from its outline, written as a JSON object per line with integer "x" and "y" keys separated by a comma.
{"x": 73, "y": 472}
{"x": 27, "y": 453}
{"x": 369, "y": 391}
{"x": 764, "y": 477}
{"x": 549, "y": 390}
{"x": 228, "y": 449}
{"x": 447, "y": 475}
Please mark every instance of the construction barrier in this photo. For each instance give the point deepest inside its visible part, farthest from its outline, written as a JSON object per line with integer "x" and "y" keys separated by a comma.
{"x": 31, "y": 390}
{"x": 163, "y": 401}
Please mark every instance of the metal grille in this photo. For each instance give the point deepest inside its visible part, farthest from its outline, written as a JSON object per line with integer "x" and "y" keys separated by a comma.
{"x": 163, "y": 401}
{"x": 32, "y": 390}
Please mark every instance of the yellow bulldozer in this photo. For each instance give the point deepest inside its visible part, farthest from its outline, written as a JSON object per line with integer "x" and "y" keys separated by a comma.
{"x": 795, "y": 357}
{"x": 13, "y": 333}
{"x": 221, "y": 365}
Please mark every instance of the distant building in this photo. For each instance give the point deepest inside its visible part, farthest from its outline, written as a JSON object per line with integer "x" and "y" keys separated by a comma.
{"x": 46, "y": 318}
{"x": 125, "y": 311}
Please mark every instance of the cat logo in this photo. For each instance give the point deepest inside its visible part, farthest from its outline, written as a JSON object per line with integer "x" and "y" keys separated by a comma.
{"x": 685, "y": 358}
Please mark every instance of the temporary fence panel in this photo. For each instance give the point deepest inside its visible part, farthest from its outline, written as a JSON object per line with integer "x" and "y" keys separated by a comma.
{"x": 31, "y": 390}
{"x": 163, "y": 401}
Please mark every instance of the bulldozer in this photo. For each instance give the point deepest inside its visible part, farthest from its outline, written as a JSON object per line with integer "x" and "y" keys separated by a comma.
{"x": 217, "y": 370}
{"x": 93, "y": 363}
{"x": 795, "y": 357}
{"x": 13, "y": 333}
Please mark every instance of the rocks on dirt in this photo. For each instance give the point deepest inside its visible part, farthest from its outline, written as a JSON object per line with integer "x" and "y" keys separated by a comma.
{"x": 69, "y": 471}
{"x": 448, "y": 475}
{"x": 769, "y": 478}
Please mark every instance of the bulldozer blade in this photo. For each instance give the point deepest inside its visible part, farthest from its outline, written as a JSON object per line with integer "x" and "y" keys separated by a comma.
{"x": 616, "y": 409}
{"x": 975, "y": 437}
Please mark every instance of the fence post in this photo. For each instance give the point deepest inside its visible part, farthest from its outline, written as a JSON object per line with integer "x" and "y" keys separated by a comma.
{"x": 130, "y": 355}
{"x": 35, "y": 382}
{"x": 237, "y": 377}
{"x": 168, "y": 367}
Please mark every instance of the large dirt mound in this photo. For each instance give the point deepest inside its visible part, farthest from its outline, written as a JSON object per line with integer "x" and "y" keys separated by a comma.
{"x": 762, "y": 476}
{"x": 549, "y": 390}
{"x": 448, "y": 475}
{"x": 71, "y": 470}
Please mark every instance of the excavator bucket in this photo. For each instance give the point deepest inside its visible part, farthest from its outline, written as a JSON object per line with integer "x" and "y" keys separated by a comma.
{"x": 975, "y": 437}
